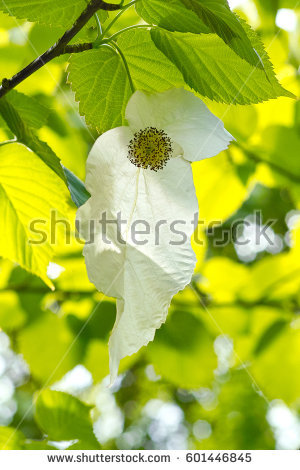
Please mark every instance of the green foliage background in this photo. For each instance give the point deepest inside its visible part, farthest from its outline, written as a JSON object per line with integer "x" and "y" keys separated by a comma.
{"x": 224, "y": 371}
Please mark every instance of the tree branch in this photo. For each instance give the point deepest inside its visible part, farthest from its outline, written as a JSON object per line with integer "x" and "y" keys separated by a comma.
{"x": 61, "y": 47}
{"x": 75, "y": 48}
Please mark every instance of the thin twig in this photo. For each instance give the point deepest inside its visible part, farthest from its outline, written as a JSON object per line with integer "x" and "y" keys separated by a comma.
{"x": 58, "y": 48}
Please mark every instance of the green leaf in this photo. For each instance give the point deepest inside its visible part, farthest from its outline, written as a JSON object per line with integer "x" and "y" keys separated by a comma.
{"x": 276, "y": 368}
{"x": 20, "y": 128}
{"x": 280, "y": 146}
{"x": 63, "y": 417}
{"x": 270, "y": 7}
{"x": 274, "y": 277}
{"x": 212, "y": 69}
{"x": 76, "y": 187}
{"x": 288, "y": 4}
{"x": 29, "y": 109}
{"x": 11, "y": 439}
{"x": 28, "y": 191}
{"x": 48, "y": 345}
{"x": 212, "y": 178}
{"x": 239, "y": 420}
{"x": 99, "y": 325}
{"x": 101, "y": 86}
{"x": 12, "y": 317}
{"x": 74, "y": 278}
{"x": 172, "y": 15}
{"x": 205, "y": 16}
{"x": 50, "y": 12}
{"x": 217, "y": 15}
{"x": 269, "y": 335}
{"x": 150, "y": 69}
{"x": 96, "y": 359}
{"x": 7, "y": 22}
{"x": 22, "y": 113}
{"x": 178, "y": 351}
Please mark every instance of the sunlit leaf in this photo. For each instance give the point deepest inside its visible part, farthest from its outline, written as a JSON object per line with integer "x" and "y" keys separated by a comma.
{"x": 99, "y": 323}
{"x": 96, "y": 359}
{"x": 29, "y": 109}
{"x": 216, "y": 270}
{"x": 12, "y": 112}
{"x": 28, "y": 191}
{"x": 11, "y": 439}
{"x": 63, "y": 417}
{"x": 220, "y": 191}
{"x": 74, "y": 277}
{"x": 269, "y": 335}
{"x": 47, "y": 345}
{"x": 173, "y": 16}
{"x": 276, "y": 368}
{"x": 149, "y": 68}
{"x": 178, "y": 351}
{"x": 281, "y": 146}
{"x": 12, "y": 317}
{"x": 273, "y": 278}
{"x": 206, "y": 16}
{"x": 52, "y": 12}
{"x": 204, "y": 61}
{"x": 101, "y": 86}
{"x": 239, "y": 421}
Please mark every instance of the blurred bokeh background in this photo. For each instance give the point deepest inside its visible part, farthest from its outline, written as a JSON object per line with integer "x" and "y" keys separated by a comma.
{"x": 224, "y": 371}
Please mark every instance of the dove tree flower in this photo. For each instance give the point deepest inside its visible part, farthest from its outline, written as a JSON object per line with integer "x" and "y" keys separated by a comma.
{"x": 140, "y": 175}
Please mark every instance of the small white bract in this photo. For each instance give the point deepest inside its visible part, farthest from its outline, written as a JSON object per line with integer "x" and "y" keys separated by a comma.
{"x": 141, "y": 176}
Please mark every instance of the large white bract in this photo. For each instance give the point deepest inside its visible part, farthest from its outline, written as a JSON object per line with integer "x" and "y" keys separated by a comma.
{"x": 145, "y": 267}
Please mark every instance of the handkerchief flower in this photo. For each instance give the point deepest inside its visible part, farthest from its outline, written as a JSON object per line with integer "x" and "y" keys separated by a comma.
{"x": 140, "y": 218}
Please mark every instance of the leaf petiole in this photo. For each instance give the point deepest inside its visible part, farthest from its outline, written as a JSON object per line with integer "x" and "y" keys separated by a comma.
{"x": 99, "y": 26}
{"x": 117, "y": 49}
{"x": 123, "y": 9}
{"x": 113, "y": 37}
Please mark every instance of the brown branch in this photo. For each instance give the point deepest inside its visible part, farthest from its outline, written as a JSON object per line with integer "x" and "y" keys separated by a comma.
{"x": 61, "y": 47}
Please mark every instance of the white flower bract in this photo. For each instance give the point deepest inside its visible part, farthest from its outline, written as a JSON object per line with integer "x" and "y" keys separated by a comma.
{"x": 144, "y": 277}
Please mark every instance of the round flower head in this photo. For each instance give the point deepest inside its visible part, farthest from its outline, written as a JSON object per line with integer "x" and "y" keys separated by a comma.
{"x": 150, "y": 148}
{"x": 138, "y": 222}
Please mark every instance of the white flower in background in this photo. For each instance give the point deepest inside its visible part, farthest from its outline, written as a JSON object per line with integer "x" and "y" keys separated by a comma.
{"x": 142, "y": 175}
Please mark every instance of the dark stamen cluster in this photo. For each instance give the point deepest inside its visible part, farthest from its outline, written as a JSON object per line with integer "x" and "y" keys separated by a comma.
{"x": 150, "y": 148}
